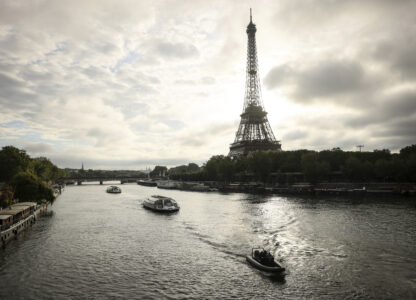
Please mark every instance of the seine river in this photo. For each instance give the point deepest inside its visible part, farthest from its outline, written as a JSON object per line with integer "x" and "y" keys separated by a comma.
{"x": 94, "y": 245}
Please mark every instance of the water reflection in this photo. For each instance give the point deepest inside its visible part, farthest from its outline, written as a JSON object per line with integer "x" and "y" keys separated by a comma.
{"x": 94, "y": 244}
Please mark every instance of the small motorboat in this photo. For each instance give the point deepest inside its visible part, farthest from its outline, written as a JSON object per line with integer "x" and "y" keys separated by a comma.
{"x": 113, "y": 189}
{"x": 161, "y": 204}
{"x": 264, "y": 261}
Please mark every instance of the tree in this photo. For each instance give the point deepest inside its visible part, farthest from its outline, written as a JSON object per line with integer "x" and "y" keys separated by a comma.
{"x": 6, "y": 196}
{"x": 211, "y": 167}
{"x": 28, "y": 187}
{"x": 12, "y": 161}
{"x": 352, "y": 168}
{"x": 192, "y": 167}
{"x": 382, "y": 169}
{"x": 225, "y": 169}
{"x": 260, "y": 164}
{"x": 309, "y": 162}
{"x": 159, "y": 171}
{"x": 406, "y": 152}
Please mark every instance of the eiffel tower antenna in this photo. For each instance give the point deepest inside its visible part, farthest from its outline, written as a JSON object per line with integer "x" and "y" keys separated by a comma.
{"x": 254, "y": 132}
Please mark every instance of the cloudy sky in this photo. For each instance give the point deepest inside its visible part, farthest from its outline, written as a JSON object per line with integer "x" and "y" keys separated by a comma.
{"x": 129, "y": 84}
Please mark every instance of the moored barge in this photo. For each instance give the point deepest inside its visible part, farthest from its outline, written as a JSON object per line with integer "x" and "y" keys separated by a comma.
{"x": 17, "y": 218}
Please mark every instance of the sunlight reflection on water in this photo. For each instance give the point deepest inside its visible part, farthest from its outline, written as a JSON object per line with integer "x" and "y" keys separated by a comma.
{"x": 95, "y": 244}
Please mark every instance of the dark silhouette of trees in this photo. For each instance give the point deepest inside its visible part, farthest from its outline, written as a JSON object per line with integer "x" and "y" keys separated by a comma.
{"x": 286, "y": 167}
{"x": 26, "y": 178}
{"x": 159, "y": 171}
{"x": 28, "y": 187}
{"x": 12, "y": 161}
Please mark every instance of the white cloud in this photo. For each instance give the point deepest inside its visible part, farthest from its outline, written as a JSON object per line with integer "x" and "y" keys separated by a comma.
{"x": 136, "y": 83}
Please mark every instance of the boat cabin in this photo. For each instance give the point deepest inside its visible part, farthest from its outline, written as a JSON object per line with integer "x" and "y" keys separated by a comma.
{"x": 16, "y": 213}
{"x": 33, "y": 205}
{"x": 113, "y": 189}
{"x": 25, "y": 209}
{"x": 5, "y": 221}
{"x": 161, "y": 203}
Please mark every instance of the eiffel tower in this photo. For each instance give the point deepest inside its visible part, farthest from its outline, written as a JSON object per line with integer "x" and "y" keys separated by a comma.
{"x": 254, "y": 132}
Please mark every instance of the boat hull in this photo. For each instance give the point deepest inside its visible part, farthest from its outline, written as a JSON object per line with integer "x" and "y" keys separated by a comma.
{"x": 262, "y": 267}
{"x": 161, "y": 210}
{"x": 146, "y": 183}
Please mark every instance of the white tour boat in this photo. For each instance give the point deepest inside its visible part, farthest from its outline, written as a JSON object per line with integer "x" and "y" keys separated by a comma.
{"x": 161, "y": 204}
{"x": 113, "y": 189}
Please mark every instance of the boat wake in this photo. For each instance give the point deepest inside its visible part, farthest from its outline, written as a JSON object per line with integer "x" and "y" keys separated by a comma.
{"x": 224, "y": 248}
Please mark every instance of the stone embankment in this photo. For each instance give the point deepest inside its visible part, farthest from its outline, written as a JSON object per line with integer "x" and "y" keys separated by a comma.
{"x": 347, "y": 189}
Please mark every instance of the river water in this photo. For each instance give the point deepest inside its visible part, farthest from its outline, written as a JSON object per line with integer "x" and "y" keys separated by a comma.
{"x": 94, "y": 245}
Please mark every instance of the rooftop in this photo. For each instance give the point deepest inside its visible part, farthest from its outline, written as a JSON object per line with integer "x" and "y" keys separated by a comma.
{"x": 10, "y": 211}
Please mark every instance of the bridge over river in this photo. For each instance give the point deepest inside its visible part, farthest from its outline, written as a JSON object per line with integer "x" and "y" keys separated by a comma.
{"x": 79, "y": 180}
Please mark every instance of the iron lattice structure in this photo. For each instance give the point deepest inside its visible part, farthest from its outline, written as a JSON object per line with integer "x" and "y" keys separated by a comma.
{"x": 254, "y": 132}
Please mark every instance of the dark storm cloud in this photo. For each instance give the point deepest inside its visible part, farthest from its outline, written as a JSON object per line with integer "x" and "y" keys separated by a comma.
{"x": 331, "y": 80}
{"x": 278, "y": 76}
{"x": 358, "y": 57}
{"x": 400, "y": 128}
{"x": 399, "y": 54}
{"x": 400, "y": 106}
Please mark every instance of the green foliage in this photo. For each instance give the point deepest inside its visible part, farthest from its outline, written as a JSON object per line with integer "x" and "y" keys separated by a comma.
{"x": 12, "y": 161}
{"x": 159, "y": 171}
{"x": 46, "y": 170}
{"x": 260, "y": 164}
{"x": 225, "y": 169}
{"x": 190, "y": 168}
{"x": 6, "y": 196}
{"x": 26, "y": 177}
{"x": 287, "y": 167}
{"x": 408, "y": 151}
{"x": 28, "y": 187}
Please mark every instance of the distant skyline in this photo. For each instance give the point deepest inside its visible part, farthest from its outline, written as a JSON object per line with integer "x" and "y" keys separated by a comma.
{"x": 131, "y": 84}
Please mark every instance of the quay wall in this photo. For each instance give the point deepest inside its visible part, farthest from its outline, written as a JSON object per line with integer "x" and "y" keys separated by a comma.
{"x": 347, "y": 189}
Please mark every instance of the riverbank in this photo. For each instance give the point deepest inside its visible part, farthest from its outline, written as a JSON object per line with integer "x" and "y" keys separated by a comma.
{"x": 21, "y": 215}
{"x": 347, "y": 189}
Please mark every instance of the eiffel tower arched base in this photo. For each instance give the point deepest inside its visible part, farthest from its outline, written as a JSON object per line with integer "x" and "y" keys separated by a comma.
{"x": 245, "y": 147}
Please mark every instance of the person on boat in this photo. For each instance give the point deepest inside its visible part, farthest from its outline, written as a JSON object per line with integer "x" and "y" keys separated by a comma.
{"x": 265, "y": 258}
{"x": 269, "y": 259}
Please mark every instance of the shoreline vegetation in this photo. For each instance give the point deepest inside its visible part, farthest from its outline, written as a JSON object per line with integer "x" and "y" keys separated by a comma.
{"x": 26, "y": 179}
{"x": 335, "y": 171}
{"x": 287, "y": 168}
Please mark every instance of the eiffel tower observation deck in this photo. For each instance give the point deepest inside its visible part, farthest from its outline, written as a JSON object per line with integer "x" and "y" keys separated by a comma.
{"x": 254, "y": 132}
